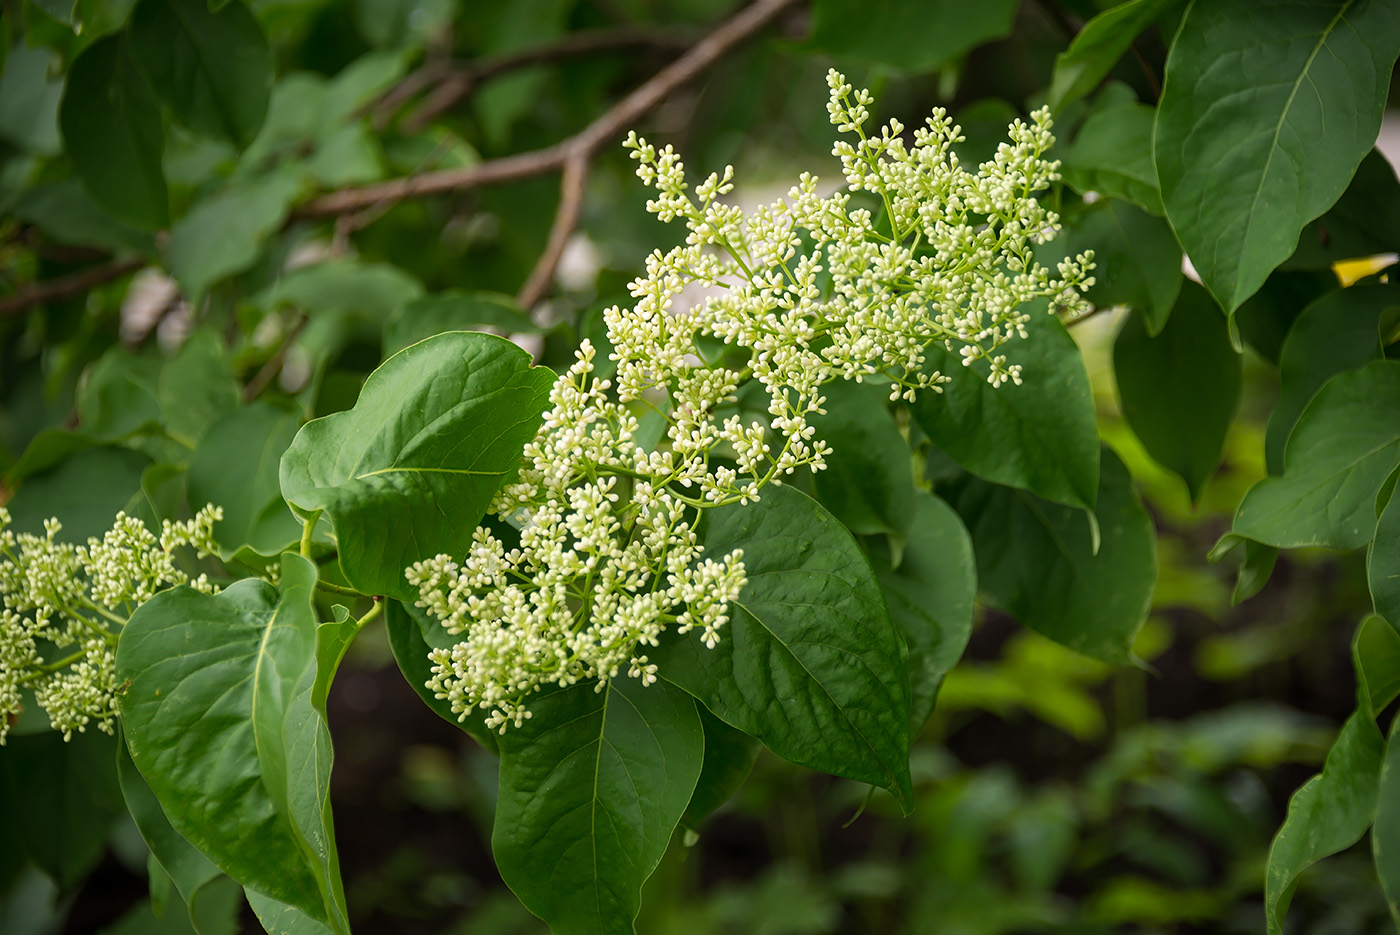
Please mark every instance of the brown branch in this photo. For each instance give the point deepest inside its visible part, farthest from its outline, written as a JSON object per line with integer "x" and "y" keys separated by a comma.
{"x": 565, "y": 220}
{"x": 459, "y": 82}
{"x": 584, "y": 143}
{"x": 65, "y": 287}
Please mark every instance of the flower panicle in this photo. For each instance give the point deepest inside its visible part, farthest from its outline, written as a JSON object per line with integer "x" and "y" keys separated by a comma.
{"x": 593, "y": 551}
{"x": 71, "y": 600}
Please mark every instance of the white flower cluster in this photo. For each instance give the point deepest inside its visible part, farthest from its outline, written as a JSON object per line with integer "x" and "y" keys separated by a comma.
{"x": 803, "y": 291}
{"x": 56, "y": 596}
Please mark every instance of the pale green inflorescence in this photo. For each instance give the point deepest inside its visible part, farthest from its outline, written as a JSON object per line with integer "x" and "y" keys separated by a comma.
{"x": 803, "y": 291}
{"x": 62, "y": 606}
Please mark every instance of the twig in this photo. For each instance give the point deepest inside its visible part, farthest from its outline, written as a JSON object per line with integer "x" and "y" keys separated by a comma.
{"x": 565, "y": 220}
{"x": 587, "y": 141}
{"x": 64, "y": 287}
{"x": 459, "y": 82}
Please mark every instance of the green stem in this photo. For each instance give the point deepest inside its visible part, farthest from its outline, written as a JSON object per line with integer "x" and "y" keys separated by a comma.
{"x": 306, "y": 532}
{"x": 369, "y": 616}
{"x": 332, "y": 588}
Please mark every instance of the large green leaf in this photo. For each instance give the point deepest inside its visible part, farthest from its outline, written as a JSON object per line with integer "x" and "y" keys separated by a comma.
{"x": 1340, "y": 331}
{"x": 868, "y": 483}
{"x": 809, "y": 662}
{"x": 1112, "y": 155}
{"x": 281, "y": 919}
{"x": 408, "y": 472}
{"x": 729, "y": 758}
{"x": 1041, "y": 436}
{"x": 85, "y": 491}
{"x": 188, "y": 869}
{"x": 1364, "y": 221}
{"x": 1036, "y": 561}
{"x": 591, "y": 788}
{"x": 454, "y": 311}
{"x": 930, "y": 593}
{"x": 117, "y": 397}
{"x": 221, "y": 720}
{"x": 196, "y": 387}
{"x": 412, "y": 634}
{"x": 1266, "y": 318}
{"x": 1267, "y": 110}
{"x": 1328, "y": 814}
{"x": 1344, "y": 445}
{"x": 212, "y": 69}
{"x": 917, "y": 35}
{"x": 1383, "y": 563}
{"x": 1180, "y": 390}
{"x": 224, "y": 232}
{"x": 344, "y": 287}
{"x": 67, "y": 213}
{"x": 1099, "y": 45}
{"x": 59, "y": 799}
{"x": 1334, "y": 808}
{"x": 112, "y": 132}
{"x": 1385, "y": 835}
{"x": 29, "y": 100}
{"x": 235, "y": 467}
{"x": 1136, "y": 259}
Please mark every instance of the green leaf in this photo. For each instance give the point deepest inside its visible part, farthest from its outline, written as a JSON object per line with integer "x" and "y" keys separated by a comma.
{"x": 454, "y": 311}
{"x": 224, "y": 232}
{"x": 196, "y": 386}
{"x": 1266, "y": 113}
{"x": 187, "y": 868}
{"x": 85, "y": 492}
{"x": 1265, "y": 319}
{"x": 1363, "y": 222}
{"x": 1383, "y": 563}
{"x": 1344, "y": 445}
{"x": 64, "y": 211}
{"x": 1328, "y": 814}
{"x": 412, "y": 633}
{"x": 591, "y": 788}
{"x": 1035, "y": 560}
{"x": 1375, "y": 653}
{"x": 112, "y": 132}
{"x": 916, "y": 35}
{"x": 213, "y": 70}
{"x": 1179, "y": 390}
{"x": 930, "y": 594}
{"x": 868, "y": 483}
{"x": 1112, "y": 155}
{"x": 60, "y": 798}
{"x": 348, "y": 155}
{"x": 65, "y": 11}
{"x": 117, "y": 398}
{"x": 1340, "y": 331}
{"x": 1099, "y": 46}
{"x": 29, "y": 101}
{"x": 221, "y": 720}
{"x": 408, "y": 472}
{"x": 281, "y": 919}
{"x": 809, "y": 662}
{"x": 1256, "y": 566}
{"x": 729, "y": 758}
{"x": 347, "y": 287}
{"x": 235, "y": 466}
{"x": 1041, "y": 436}
{"x": 1385, "y": 834}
